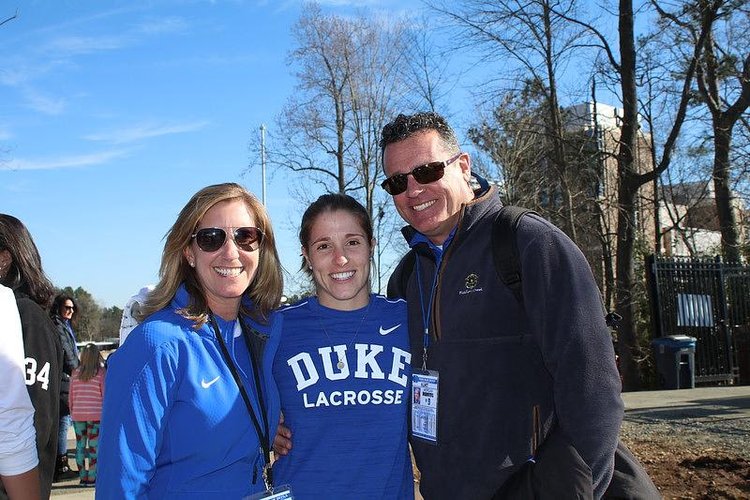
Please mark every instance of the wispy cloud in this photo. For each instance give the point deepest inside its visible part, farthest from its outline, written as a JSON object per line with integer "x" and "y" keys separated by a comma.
{"x": 13, "y": 77}
{"x": 44, "y": 103}
{"x": 75, "y": 161}
{"x": 18, "y": 73}
{"x": 210, "y": 60}
{"x": 70, "y": 46}
{"x": 167, "y": 25}
{"x": 145, "y": 131}
{"x": 74, "y": 45}
{"x": 51, "y": 51}
{"x": 348, "y": 3}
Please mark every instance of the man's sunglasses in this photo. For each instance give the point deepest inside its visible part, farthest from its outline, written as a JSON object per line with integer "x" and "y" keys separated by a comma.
{"x": 210, "y": 239}
{"x": 423, "y": 174}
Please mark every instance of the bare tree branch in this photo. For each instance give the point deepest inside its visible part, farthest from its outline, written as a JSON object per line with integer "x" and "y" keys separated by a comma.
{"x": 6, "y": 20}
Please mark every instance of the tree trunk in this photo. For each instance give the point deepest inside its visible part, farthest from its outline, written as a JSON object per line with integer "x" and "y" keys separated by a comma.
{"x": 723, "y": 120}
{"x": 730, "y": 238}
{"x": 556, "y": 129}
{"x": 627, "y": 337}
{"x": 627, "y": 189}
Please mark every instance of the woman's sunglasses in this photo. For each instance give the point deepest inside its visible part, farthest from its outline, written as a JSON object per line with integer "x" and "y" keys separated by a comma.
{"x": 210, "y": 239}
{"x": 423, "y": 174}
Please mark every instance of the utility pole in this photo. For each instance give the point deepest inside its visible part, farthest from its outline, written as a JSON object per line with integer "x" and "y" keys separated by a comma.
{"x": 263, "y": 161}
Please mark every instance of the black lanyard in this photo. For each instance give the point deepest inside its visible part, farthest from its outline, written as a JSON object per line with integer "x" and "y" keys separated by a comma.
{"x": 262, "y": 436}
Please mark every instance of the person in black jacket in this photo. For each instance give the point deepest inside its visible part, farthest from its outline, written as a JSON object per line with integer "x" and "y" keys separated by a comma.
{"x": 64, "y": 312}
{"x": 21, "y": 270}
{"x": 19, "y": 471}
{"x": 510, "y": 378}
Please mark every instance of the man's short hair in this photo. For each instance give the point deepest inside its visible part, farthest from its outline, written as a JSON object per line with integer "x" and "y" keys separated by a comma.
{"x": 405, "y": 126}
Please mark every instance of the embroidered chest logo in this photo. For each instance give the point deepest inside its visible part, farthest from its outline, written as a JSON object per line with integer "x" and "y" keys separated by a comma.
{"x": 470, "y": 284}
{"x": 206, "y": 384}
{"x": 386, "y": 331}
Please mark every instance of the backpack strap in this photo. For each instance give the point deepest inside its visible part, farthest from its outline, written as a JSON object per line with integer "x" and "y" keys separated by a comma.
{"x": 400, "y": 278}
{"x": 505, "y": 249}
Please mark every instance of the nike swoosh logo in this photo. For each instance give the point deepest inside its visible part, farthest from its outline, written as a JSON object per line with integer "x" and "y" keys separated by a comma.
{"x": 208, "y": 384}
{"x": 383, "y": 331}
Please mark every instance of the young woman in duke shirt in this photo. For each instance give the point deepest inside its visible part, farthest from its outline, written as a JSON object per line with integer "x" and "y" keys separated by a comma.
{"x": 342, "y": 367}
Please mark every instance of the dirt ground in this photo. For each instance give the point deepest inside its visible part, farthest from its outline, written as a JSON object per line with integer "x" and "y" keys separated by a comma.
{"x": 683, "y": 471}
{"x": 689, "y": 457}
{"x": 695, "y": 446}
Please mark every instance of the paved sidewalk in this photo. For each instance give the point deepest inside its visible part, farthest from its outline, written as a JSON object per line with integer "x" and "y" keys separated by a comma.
{"x": 715, "y": 402}
{"x": 71, "y": 489}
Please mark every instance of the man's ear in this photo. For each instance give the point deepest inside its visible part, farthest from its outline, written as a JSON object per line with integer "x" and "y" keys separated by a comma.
{"x": 465, "y": 163}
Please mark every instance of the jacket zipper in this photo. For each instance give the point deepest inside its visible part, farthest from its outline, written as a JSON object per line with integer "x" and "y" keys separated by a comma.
{"x": 536, "y": 430}
{"x": 439, "y": 271}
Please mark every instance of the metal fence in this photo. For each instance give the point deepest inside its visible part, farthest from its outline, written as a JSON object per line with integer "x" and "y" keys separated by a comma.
{"x": 709, "y": 300}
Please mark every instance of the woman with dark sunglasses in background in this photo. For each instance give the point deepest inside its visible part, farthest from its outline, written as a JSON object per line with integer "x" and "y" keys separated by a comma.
{"x": 63, "y": 312}
{"x": 185, "y": 412}
{"x": 21, "y": 271}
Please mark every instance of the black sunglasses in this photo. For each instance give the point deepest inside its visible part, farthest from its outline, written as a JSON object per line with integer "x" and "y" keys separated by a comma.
{"x": 69, "y": 308}
{"x": 210, "y": 239}
{"x": 423, "y": 174}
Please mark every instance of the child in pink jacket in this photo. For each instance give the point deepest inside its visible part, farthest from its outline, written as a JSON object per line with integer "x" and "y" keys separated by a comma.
{"x": 86, "y": 395}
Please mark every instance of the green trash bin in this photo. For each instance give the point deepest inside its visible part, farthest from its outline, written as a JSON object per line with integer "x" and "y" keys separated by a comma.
{"x": 675, "y": 361}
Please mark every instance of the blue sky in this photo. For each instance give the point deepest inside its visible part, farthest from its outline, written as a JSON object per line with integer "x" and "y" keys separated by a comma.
{"x": 112, "y": 114}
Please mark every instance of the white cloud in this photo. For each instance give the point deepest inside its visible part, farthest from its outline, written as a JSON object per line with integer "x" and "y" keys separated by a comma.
{"x": 73, "y": 45}
{"x": 145, "y": 131}
{"x": 348, "y": 3}
{"x": 47, "y": 54}
{"x": 68, "y": 46}
{"x": 43, "y": 103}
{"x": 13, "y": 77}
{"x": 85, "y": 160}
{"x": 161, "y": 26}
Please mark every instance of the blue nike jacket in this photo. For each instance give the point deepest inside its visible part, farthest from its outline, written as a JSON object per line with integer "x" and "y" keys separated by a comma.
{"x": 174, "y": 424}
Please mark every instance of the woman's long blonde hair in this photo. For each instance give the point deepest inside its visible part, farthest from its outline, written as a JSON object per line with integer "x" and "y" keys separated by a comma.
{"x": 266, "y": 287}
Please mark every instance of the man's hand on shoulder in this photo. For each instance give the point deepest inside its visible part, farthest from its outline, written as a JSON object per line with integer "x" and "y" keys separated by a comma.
{"x": 282, "y": 442}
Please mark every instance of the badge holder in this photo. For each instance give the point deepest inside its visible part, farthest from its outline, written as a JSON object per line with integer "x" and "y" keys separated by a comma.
{"x": 424, "y": 382}
{"x": 282, "y": 492}
{"x": 424, "y": 405}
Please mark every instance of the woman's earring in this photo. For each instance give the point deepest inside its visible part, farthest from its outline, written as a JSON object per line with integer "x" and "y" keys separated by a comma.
{"x": 191, "y": 263}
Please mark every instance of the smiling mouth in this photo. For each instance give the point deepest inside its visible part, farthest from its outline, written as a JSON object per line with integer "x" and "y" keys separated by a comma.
{"x": 423, "y": 206}
{"x": 342, "y": 276}
{"x": 229, "y": 272}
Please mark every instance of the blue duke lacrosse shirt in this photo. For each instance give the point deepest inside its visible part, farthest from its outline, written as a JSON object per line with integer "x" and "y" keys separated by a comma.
{"x": 348, "y": 421}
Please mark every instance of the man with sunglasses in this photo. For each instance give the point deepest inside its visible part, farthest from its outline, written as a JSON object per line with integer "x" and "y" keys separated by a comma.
{"x": 506, "y": 374}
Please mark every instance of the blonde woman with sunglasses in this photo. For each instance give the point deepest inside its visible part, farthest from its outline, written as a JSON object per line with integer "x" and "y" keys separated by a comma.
{"x": 186, "y": 413}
